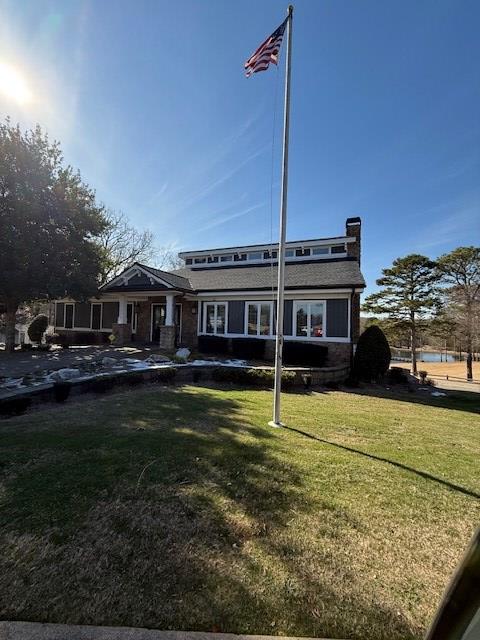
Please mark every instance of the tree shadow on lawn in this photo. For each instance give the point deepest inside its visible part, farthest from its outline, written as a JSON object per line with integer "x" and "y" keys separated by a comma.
{"x": 459, "y": 400}
{"x": 169, "y": 511}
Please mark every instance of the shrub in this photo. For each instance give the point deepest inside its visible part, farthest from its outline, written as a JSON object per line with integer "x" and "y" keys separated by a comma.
{"x": 165, "y": 374}
{"x": 132, "y": 379}
{"x": 372, "y": 357}
{"x": 212, "y": 344}
{"x": 178, "y": 359}
{"x": 44, "y": 347}
{"x": 197, "y": 374}
{"x": 256, "y": 377}
{"x": 423, "y": 375}
{"x": 37, "y": 327}
{"x": 26, "y": 346}
{"x": 248, "y": 348}
{"x": 51, "y": 338}
{"x": 14, "y": 406}
{"x": 397, "y": 375}
{"x": 61, "y": 391}
{"x": 429, "y": 382}
{"x": 103, "y": 384}
{"x": 304, "y": 354}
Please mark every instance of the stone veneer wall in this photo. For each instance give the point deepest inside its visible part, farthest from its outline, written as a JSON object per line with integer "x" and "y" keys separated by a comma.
{"x": 143, "y": 322}
{"x": 189, "y": 324}
{"x": 338, "y": 352}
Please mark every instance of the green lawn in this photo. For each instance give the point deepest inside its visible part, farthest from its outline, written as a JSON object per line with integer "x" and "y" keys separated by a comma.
{"x": 181, "y": 509}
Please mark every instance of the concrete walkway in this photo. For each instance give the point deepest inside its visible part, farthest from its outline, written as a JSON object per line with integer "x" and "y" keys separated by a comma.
{"x": 39, "y": 631}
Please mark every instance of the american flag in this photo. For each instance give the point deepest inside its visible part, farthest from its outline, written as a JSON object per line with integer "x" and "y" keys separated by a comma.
{"x": 267, "y": 52}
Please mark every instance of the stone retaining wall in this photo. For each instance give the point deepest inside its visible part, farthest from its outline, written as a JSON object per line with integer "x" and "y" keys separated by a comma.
{"x": 184, "y": 375}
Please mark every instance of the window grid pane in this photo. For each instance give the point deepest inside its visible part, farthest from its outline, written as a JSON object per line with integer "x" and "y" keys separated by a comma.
{"x": 316, "y": 319}
{"x": 210, "y": 318}
{"x": 252, "y": 320}
{"x": 302, "y": 320}
{"x": 220, "y": 319}
{"x": 264, "y": 328}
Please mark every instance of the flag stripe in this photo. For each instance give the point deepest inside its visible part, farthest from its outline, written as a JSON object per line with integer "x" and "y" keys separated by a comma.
{"x": 266, "y": 53}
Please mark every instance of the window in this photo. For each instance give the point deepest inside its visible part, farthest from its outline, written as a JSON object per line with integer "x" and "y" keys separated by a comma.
{"x": 309, "y": 319}
{"x": 302, "y": 252}
{"x": 289, "y": 253}
{"x": 214, "y": 318}
{"x": 259, "y": 318}
{"x": 319, "y": 251}
{"x": 212, "y": 259}
{"x": 188, "y": 261}
{"x": 68, "y": 316}
{"x": 268, "y": 255}
{"x": 255, "y": 255}
{"x": 338, "y": 248}
{"x": 199, "y": 260}
{"x": 226, "y": 258}
{"x": 239, "y": 257}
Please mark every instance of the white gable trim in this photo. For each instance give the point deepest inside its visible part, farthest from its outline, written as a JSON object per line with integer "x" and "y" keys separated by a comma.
{"x": 130, "y": 272}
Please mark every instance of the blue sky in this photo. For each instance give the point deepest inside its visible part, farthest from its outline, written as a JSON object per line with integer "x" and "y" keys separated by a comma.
{"x": 149, "y": 100}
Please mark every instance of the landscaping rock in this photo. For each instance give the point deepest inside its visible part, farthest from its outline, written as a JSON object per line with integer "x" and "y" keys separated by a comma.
{"x": 107, "y": 362}
{"x": 156, "y": 357}
{"x": 64, "y": 374}
{"x": 183, "y": 353}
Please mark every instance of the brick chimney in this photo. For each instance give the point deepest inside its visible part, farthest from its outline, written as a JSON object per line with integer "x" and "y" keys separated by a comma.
{"x": 353, "y": 227}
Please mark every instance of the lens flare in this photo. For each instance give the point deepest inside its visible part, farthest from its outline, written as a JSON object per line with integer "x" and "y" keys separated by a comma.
{"x": 13, "y": 85}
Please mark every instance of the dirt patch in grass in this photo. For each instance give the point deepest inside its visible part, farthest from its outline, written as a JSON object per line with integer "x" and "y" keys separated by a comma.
{"x": 233, "y": 526}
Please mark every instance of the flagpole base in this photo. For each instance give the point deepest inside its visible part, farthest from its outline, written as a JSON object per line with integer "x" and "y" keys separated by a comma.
{"x": 276, "y": 425}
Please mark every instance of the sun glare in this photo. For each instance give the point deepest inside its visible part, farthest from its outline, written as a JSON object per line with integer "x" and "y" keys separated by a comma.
{"x": 13, "y": 85}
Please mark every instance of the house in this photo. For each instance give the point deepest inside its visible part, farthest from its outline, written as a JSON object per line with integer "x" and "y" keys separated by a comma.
{"x": 230, "y": 292}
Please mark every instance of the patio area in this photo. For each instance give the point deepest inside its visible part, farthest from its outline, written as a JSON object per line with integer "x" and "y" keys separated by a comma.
{"x": 22, "y": 363}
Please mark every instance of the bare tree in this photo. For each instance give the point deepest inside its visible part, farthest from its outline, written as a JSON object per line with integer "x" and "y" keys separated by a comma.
{"x": 169, "y": 260}
{"x": 123, "y": 244}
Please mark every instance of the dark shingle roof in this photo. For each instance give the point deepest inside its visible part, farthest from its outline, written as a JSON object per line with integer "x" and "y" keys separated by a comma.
{"x": 325, "y": 274}
{"x": 176, "y": 279}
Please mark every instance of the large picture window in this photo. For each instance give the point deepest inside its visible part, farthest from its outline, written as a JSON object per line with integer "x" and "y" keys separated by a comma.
{"x": 259, "y": 318}
{"x": 214, "y": 318}
{"x": 309, "y": 319}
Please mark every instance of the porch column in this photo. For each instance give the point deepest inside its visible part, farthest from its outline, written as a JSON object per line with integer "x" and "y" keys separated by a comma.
{"x": 169, "y": 311}
{"x": 167, "y": 332}
{"x": 122, "y": 311}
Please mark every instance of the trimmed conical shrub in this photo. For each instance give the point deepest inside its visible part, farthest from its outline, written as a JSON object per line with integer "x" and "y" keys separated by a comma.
{"x": 37, "y": 328}
{"x": 372, "y": 357}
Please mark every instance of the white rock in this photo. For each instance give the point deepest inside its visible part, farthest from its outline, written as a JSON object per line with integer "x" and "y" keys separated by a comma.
{"x": 438, "y": 394}
{"x": 183, "y": 353}
{"x": 156, "y": 357}
{"x": 64, "y": 374}
{"x": 108, "y": 361}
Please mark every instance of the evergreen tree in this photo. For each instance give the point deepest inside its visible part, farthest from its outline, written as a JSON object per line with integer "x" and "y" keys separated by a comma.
{"x": 409, "y": 291}
{"x": 460, "y": 271}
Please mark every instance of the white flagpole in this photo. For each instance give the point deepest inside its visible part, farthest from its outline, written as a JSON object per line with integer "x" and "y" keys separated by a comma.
{"x": 283, "y": 224}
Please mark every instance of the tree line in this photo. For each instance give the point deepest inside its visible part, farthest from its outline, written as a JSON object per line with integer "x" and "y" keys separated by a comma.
{"x": 441, "y": 297}
{"x": 56, "y": 238}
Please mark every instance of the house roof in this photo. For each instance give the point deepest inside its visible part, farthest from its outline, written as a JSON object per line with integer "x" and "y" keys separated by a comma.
{"x": 318, "y": 274}
{"x": 172, "y": 277}
{"x": 154, "y": 280}
{"x": 334, "y": 273}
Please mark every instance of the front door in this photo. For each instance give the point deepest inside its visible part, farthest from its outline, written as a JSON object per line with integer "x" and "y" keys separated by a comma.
{"x": 159, "y": 312}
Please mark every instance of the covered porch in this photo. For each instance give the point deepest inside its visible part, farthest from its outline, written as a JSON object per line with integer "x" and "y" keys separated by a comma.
{"x": 153, "y": 319}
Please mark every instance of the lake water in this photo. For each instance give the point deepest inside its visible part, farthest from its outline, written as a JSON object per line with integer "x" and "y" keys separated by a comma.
{"x": 403, "y": 355}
